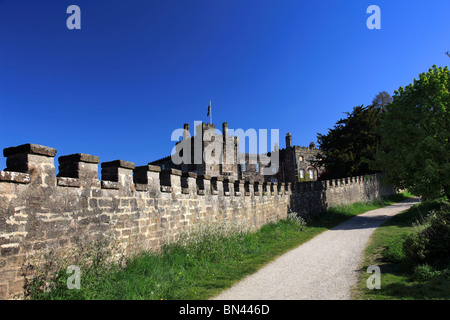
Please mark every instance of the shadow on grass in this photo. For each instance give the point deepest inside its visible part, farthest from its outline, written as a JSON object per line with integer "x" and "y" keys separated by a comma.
{"x": 432, "y": 290}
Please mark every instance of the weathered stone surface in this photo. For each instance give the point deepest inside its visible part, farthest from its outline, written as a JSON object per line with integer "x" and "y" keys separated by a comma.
{"x": 153, "y": 168}
{"x": 30, "y": 148}
{"x": 189, "y": 175}
{"x": 149, "y": 167}
{"x": 175, "y": 172}
{"x": 185, "y": 190}
{"x": 17, "y": 177}
{"x": 166, "y": 189}
{"x": 110, "y": 184}
{"x": 118, "y": 164}
{"x": 141, "y": 187}
{"x": 79, "y": 157}
{"x": 68, "y": 182}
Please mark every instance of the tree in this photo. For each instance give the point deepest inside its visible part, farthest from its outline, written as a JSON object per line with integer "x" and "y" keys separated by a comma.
{"x": 381, "y": 100}
{"x": 347, "y": 149}
{"x": 415, "y": 131}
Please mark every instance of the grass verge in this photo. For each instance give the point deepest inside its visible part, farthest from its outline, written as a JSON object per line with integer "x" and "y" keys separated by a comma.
{"x": 198, "y": 268}
{"x": 401, "y": 278}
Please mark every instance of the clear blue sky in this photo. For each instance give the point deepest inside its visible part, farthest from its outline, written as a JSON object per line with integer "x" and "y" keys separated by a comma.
{"x": 137, "y": 70}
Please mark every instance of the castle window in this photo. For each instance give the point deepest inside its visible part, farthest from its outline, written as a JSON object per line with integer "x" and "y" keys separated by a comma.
{"x": 311, "y": 174}
{"x": 256, "y": 167}
{"x": 300, "y": 159}
{"x": 302, "y": 174}
{"x": 242, "y": 167}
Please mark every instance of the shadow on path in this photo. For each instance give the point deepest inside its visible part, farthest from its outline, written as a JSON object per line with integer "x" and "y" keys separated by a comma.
{"x": 374, "y": 218}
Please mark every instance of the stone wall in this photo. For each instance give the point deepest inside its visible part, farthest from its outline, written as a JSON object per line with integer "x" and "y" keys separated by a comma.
{"x": 140, "y": 207}
{"x": 317, "y": 196}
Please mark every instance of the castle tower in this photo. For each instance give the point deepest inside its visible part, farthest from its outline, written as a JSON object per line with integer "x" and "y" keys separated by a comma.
{"x": 206, "y": 159}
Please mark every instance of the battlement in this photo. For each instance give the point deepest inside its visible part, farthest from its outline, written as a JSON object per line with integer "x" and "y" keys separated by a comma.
{"x": 141, "y": 207}
{"x": 34, "y": 164}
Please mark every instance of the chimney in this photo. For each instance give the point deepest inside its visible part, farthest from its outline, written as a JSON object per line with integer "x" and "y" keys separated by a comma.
{"x": 225, "y": 129}
{"x": 186, "y": 134}
{"x": 288, "y": 140}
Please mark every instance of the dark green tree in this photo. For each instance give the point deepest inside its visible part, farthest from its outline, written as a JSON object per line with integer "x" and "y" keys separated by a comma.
{"x": 347, "y": 149}
{"x": 415, "y": 136}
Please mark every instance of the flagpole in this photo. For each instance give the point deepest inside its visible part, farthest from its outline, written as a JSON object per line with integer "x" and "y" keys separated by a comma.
{"x": 210, "y": 112}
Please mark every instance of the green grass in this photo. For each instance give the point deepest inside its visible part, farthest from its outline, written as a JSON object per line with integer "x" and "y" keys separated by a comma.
{"x": 399, "y": 279}
{"x": 201, "y": 267}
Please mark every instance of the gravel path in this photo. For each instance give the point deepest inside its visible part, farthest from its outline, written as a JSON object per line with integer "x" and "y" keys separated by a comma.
{"x": 324, "y": 268}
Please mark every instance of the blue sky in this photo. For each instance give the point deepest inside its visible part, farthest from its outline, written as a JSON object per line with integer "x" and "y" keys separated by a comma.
{"x": 137, "y": 70}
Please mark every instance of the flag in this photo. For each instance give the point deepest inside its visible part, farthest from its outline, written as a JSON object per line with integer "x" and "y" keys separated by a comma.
{"x": 209, "y": 108}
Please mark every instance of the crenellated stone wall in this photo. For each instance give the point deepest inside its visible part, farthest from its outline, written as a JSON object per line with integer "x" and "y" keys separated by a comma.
{"x": 140, "y": 207}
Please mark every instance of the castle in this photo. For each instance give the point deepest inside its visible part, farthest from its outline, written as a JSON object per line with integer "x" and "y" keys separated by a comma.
{"x": 295, "y": 163}
{"x": 139, "y": 208}
{"x": 144, "y": 207}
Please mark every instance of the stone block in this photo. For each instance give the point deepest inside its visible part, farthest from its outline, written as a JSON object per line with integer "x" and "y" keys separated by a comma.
{"x": 16, "y": 177}
{"x": 29, "y": 148}
{"x": 68, "y": 182}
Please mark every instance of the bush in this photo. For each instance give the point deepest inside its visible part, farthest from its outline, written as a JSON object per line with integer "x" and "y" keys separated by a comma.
{"x": 414, "y": 247}
{"x": 424, "y": 273}
{"x": 432, "y": 244}
{"x": 297, "y": 220}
